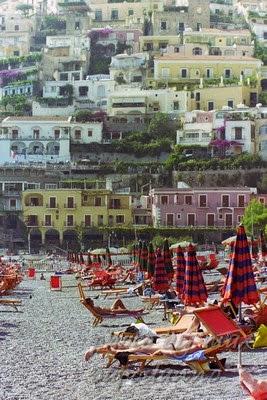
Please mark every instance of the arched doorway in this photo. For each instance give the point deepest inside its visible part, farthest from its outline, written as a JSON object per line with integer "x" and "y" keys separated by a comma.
{"x": 52, "y": 238}
{"x": 71, "y": 240}
{"x": 34, "y": 240}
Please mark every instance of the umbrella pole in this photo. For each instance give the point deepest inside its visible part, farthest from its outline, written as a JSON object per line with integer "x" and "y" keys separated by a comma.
{"x": 239, "y": 345}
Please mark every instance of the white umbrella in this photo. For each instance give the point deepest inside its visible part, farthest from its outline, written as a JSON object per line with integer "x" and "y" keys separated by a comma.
{"x": 182, "y": 244}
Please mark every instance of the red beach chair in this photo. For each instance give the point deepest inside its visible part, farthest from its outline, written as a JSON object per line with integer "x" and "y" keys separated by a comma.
{"x": 55, "y": 282}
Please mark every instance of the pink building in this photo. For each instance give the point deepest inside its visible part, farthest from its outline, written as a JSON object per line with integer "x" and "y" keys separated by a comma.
{"x": 206, "y": 207}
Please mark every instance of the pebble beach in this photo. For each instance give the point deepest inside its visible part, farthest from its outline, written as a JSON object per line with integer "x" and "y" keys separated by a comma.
{"x": 42, "y": 354}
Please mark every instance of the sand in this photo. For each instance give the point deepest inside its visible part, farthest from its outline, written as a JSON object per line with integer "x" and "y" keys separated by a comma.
{"x": 42, "y": 355}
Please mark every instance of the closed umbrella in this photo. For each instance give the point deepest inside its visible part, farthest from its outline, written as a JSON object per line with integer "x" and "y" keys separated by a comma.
{"x": 108, "y": 256}
{"x": 151, "y": 260}
{"x": 138, "y": 259}
{"x": 81, "y": 258}
{"x": 167, "y": 259}
{"x": 240, "y": 286}
{"x": 144, "y": 256}
{"x": 195, "y": 292}
{"x": 263, "y": 245}
{"x": 89, "y": 261}
{"x": 254, "y": 248}
{"x": 180, "y": 271}
{"x": 160, "y": 279}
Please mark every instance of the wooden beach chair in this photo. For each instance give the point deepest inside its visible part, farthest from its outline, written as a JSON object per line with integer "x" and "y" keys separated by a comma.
{"x": 99, "y": 315}
{"x": 11, "y": 302}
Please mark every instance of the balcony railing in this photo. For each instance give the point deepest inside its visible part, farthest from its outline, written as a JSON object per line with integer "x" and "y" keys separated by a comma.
{"x": 29, "y": 204}
{"x": 51, "y": 206}
{"x": 31, "y": 224}
{"x": 46, "y": 224}
{"x": 70, "y": 225}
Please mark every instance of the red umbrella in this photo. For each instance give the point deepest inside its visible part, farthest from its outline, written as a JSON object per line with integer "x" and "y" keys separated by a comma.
{"x": 195, "y": 292}
{"x": 138, "y": 260}
{"x": 109, "y": 261}
{"x": 144, "y": 257}
{"x": 180, "y": 271}
{"x": 160, "y": 279}
{"x": 167, "y": 259}
{"x": 240, "y": 284}
{"x": 151, "y": 260}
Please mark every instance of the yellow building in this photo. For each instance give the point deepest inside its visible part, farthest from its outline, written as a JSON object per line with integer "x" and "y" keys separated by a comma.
{"x": 156, "y": 44}
{"x": 66, "y": 215}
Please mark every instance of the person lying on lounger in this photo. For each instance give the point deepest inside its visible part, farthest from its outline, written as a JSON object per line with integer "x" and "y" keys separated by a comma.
{"x": 174, "y": 343}
{"x": 117, "y": 307}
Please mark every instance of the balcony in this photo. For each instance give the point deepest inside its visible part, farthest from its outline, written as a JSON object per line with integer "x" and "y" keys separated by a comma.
{"x": 29, "y": 204}
{"x": 48, "y": 225}
{"x": 51, "y": 206}
{"x": 32, "y": 223}
{"x": 70, "y": 225}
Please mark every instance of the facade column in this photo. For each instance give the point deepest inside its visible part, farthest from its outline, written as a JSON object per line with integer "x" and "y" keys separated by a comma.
{"x": 43, "y": 236}
{"x": 60, "y": 237}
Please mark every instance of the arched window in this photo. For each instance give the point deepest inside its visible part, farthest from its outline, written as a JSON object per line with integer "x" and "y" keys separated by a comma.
{"x": 197, "y": 51}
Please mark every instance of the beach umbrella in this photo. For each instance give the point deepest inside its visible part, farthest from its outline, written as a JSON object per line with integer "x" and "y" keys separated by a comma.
{"x": 167, "y": 256}
{"x": 254, "y": 248}
{"x": 99, "y": 259}
{"x": 76, "y": 258}
{"x": 151, "y": 260}
{"x": 240, "y": 286}
{"x": 184, "y": 244}
{"x": 144, "y": 256}
{"x": 81, "y": 258}
{"x": 89, "y": 261}
{"x": 180, "y": 271}
{"x": 134, "y": 253}
{"x": 108, "y": 256}
{"x": 263, "y": 245}
{"x": 138, "y": 258}
{"x": 194, "y": 292}
{"x": 160, "y": 279}
{"x": 231, "y": 241}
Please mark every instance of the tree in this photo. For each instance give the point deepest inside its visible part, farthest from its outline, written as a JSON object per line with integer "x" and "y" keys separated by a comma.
{"x": 255, "y": 217}
{"x": 161, "y": 125}
{"x": 24, "y": 8}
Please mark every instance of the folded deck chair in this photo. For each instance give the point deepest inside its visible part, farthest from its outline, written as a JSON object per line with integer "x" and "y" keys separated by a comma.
{"x": 100, "y": 315}
{"x": 257, "y": 389}
{"x": 185, "y": 322}
{"x": 11, "y": 302}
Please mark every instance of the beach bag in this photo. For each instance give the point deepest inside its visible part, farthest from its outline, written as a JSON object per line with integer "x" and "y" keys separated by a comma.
{"x": 261, "y": 337}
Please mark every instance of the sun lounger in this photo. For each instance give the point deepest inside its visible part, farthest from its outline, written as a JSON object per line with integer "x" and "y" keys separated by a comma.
{"x": 101, "y": 314}
{"x": 11, "y": 302}
{"x": 185, "y": 322}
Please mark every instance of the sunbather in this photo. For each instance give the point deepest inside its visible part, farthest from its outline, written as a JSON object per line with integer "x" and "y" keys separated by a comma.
{"x": 117, "y": 307}
{"x": 175, "y": 343}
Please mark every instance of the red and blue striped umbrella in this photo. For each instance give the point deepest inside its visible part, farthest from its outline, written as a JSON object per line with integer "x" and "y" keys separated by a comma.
{"x": 180, "y": 271}
{"x": 160, "y": 279}
{"x": 81, "y": 258}
{"x": 263, "y": 245}
{"x": 139, "y": 251}
{"x": 195, "y": 292}
{"x": 168, "y": 259}
{"x": 151, "y": 260}
{"x": 240, "y": 284}
{"x": 108, "y": 256}
{"x": 144, "y": 257}
{"x": 89, "y": 261}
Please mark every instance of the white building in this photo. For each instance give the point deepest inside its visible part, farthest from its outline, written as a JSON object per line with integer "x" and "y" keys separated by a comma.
{"x": 197, "y": 129}
{"x": 44, "y": 139}
{"x": 241, "y": 132}
{"x": 125, "y": 68}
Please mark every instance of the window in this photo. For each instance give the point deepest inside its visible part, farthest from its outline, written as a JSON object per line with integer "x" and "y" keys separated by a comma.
{"x": 16, "y": 53}
{"x": 178, "y": 216}
{"x": 169, "y": 219}
{"x": 52, "y": 202}
{"x": 50, "y": 186}
{"x": 228, "y": 219}
{"x": 15, "y": 134}
{"x": 119, "y": 219}
{"x": 83, "y": 90}
{"x": 197, "y": 96}
{"x": 183, "y": 73}
{"x": 98, "y": 15}
{"x": 210, "y": 219}
{"x": 203, "y": 200}
{"x": 238, "y": 133}
{"x": 208, "y": 72}
{"x": 163, "y": 25}
{"x": 262, "y": 200}
{"x": 199, "y": 26}
{"x": 64, "y": 76}
{"x": 188, "y": 200}
{"x": 115, "y": 204}
{"x": 164, "y": 200}
{"x": 70, "y": 220}
{"x": 13, "y": 203}
{"x": 87, "y": 220}
{"x": 77, "y": 25}
{"x": 210, "y": 105}
{"x": 98, "y": 201}
{"x": 176, "y": 105}
{"x": 114, "y": 14}
{"x": 36, "y": 134}
{"x": 265, "y": 35}
{"x": 48, "y": 220}
{"x": 57, "y": 133}
{"x": 77, "y": 134}
{"x": 225, "y": 200}
{"x": 181, "y": 27}
{"x": 16, "y": 27}
{"x": 90, "y": 133}
{"x": 239, "y": 219}
{"x": 100, "y": 220}
{"x": 130, "y": 12}
{"x": 227, "y": 73}
{"x": 230, "y": 103}
{"x": 191, "y": 219}
{"x": 197, "y": 51}
{"x": 70, "y": 202}
{"x": 241, "y": 200}
{"x": 165, "y": 72}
